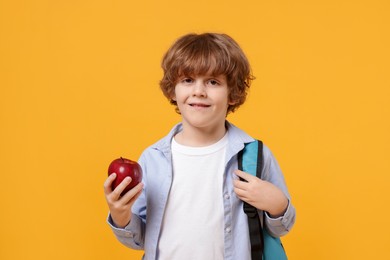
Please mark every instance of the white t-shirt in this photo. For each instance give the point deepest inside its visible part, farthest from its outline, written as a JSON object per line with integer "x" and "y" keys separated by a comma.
{"x": 192, "y": 227}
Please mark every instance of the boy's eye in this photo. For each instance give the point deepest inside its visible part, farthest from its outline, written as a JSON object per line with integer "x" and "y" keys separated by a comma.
{"x": 187, "y": 80}
{"x": 213, "y": 82}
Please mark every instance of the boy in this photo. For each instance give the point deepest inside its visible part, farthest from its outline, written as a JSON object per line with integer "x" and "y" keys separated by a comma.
{"x": 190, "y": 204}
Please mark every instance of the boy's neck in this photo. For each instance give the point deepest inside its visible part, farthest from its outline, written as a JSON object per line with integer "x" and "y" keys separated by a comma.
{"x": 198, "y": 137}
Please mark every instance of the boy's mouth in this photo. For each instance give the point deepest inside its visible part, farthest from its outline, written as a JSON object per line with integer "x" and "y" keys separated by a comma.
{"x": 199, "y": 105}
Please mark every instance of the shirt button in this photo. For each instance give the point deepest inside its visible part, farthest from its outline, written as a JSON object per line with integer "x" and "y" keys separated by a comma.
{"x": 227, "y": 196}
{"x": 228, "y": 230}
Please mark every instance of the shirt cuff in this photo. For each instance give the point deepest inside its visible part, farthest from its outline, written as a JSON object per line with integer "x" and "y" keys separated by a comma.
{"x": 286, "y": 220}
{"x": 121, "y": 232}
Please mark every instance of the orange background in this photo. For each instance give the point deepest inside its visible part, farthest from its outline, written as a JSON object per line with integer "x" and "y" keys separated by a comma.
{"x": 79, "y": 87}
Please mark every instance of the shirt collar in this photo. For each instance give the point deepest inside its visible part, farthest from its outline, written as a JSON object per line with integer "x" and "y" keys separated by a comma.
{"x": 237, "y": 139}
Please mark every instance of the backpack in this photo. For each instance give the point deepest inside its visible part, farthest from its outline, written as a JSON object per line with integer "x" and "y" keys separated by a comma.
{"x": 263, "y": 245}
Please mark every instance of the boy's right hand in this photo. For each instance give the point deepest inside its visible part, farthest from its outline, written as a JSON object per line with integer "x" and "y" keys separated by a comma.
{"x": 120, "y": 206}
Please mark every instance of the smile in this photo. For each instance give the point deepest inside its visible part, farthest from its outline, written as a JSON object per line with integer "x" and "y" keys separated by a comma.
{"x": 199, "y": 105}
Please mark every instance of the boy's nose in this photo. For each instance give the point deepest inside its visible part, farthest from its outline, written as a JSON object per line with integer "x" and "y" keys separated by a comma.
{"x": 199, "y": 89}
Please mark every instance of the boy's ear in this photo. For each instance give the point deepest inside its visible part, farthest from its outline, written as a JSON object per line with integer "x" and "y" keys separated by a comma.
{"x": 232, "y": 103}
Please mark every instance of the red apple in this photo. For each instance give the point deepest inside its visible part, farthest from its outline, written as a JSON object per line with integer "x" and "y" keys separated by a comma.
{"x": 124, "y": 167}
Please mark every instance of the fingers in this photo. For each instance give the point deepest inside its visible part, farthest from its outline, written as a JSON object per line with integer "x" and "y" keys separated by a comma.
{"x": 121, "y": 187}
{"x": 240, "y": 193}
{"x": 132, "y": 194}
{"x": 240, "y": 186}
{"x": 242, "y": 190}
{"x": 115, "y": 195}
{"x": 246, "y": 186}
{"x": 243, "y": 181}
{"x": 243, "y": 175}
{"x": 108, "y": 183}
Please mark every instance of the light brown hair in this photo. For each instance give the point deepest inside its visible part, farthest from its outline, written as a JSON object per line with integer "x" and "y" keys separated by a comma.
{"x": 201, "y": 54}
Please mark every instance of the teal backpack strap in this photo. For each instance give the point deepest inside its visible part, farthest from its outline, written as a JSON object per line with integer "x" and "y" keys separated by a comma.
{"x": 263, "y": 245}
{"x": 250, "y": 160}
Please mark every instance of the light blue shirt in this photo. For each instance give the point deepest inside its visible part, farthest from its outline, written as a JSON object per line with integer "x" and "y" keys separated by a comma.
{"x": 144, "y": 229}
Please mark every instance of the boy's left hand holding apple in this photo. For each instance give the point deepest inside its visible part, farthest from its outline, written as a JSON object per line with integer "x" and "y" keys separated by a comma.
{"x": 261, "y": 194}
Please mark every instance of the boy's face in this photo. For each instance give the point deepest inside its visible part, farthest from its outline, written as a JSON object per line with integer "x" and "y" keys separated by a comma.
{"x": 202, "y": 100}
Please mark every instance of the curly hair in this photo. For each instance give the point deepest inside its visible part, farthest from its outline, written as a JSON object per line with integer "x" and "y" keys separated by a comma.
{"x": 201, "y": 54}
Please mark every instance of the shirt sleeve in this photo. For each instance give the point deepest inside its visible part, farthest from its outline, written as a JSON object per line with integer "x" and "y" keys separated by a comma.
{"x": 131, "y": 235}
{"x": 282, "y": 225}
{"x": 272, "y": 173}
